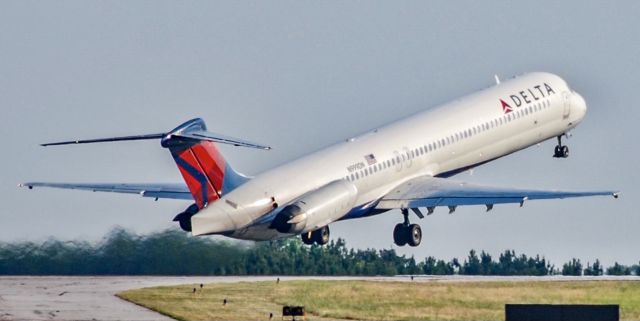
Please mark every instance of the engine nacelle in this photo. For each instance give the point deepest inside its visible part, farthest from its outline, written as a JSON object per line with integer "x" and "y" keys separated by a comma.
{"x": 184, "y": 218}
{"x": 317, "y": 208}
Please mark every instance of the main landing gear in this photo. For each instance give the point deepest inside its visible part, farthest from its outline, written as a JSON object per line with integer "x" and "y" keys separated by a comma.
{"x": 561, "y": 151}
{"x": 406, "y": 233}
{"x": 319, "y": 236}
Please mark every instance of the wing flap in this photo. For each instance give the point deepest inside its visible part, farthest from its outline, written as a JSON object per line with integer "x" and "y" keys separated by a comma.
{"x": 429, "y": 191}
{"x": 169, "y": 191}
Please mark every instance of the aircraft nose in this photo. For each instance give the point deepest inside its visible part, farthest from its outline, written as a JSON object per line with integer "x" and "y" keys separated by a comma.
{"x": 579, "y": 106}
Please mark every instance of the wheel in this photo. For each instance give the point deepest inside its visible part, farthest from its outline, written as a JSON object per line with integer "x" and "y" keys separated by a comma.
{"x": 321, "y": 235}
{"x": 307, "y": 238}
{"x": 565, "y": 151}
{"x": 399, "y": 235}
{"x": 414, "y": 235}
{"x": 557, "y": 152}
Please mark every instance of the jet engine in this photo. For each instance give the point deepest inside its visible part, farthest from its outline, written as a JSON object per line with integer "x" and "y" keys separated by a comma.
{"x": 184, "y": 218}
{"x": 316, "y": 208}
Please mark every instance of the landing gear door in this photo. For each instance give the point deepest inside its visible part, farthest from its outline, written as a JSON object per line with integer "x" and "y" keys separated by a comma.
{"x": 566, "y": 104}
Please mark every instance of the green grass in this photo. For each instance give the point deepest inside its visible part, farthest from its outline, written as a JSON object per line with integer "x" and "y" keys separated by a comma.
{"x": 379, "y": 300}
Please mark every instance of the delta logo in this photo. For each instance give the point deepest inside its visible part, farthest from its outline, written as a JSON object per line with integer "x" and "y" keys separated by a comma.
{"x": 505, "y": 107}
{"x": 526, "y": 96}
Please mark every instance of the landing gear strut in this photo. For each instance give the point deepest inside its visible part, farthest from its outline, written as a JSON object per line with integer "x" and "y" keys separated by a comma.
{"x": 320, "y": 236}
{"x": 406, "y": 233}
{"x": 561, "y": 151}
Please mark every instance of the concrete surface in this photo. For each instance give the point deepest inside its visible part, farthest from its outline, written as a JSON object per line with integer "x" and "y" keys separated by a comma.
{"x": 92, "y": 298}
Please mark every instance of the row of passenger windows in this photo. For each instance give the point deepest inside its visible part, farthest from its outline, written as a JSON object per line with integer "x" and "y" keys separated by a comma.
{"x": 440, "y": 143}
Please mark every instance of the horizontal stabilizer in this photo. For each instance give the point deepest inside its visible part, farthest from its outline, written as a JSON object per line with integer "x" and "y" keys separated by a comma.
{"x": 108, "y": 139}
{"x": 169, "y": 190}
{"x": 219, "y": 138}
{"x": 192, "y": 131}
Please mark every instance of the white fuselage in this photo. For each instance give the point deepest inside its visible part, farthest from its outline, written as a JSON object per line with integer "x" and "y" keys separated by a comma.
{"x": 442, "y": 141}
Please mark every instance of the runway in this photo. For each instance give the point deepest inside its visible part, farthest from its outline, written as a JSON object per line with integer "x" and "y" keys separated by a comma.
{"x": 92, "y": 298}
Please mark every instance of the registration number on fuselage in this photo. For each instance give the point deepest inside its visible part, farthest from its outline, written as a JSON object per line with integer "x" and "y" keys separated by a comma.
{"x": 355, "y": 167}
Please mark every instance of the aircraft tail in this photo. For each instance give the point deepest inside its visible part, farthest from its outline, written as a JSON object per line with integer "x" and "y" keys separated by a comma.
{"x": 205, "y": 171}
{"x": 207, "y": 174}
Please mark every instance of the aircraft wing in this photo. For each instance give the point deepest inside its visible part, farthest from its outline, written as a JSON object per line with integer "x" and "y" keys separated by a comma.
{"x": 429, "y": 192}
{"x": 172, "y": 191}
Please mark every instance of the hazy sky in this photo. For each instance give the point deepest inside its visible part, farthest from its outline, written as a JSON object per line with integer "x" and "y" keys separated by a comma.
{"x": 302, "y": 75}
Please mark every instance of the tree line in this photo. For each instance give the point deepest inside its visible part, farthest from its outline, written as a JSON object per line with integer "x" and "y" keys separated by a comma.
{"x": 173, "y": 252}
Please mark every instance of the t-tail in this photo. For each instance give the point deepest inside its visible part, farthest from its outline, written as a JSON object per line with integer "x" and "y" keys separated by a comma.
{"x": 205, "y": 171}
{"x": 207, "y": 174}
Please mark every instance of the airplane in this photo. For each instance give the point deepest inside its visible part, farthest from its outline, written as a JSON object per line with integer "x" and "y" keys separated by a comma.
{"x": 404, "y": 165}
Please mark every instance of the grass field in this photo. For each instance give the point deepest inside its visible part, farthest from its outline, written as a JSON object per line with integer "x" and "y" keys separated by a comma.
{"x": 379, "y": 300}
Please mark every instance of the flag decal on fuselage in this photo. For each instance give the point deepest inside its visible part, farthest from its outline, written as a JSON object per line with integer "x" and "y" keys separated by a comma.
{"x": 370, "y": 159}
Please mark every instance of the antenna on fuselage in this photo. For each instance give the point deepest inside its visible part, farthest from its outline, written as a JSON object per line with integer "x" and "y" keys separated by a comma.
{"x": 497, "y": 79}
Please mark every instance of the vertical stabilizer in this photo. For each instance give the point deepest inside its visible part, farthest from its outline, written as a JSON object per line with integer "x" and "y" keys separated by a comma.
{"x": 201, "y": 164}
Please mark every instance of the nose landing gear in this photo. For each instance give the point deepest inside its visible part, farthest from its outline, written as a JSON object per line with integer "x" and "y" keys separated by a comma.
{"x": 561, "y": 151}
{"x": 406, "y": 233}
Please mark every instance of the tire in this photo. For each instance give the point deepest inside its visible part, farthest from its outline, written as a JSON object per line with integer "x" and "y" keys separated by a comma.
{"x": 557, "y": 152}
{"x": 307, "y": 238}
{"x": 565, "y": 151}
{"x": 321, "y": 236}
{"x": 399, "y": 235}
{"x": 414, "y": 235}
